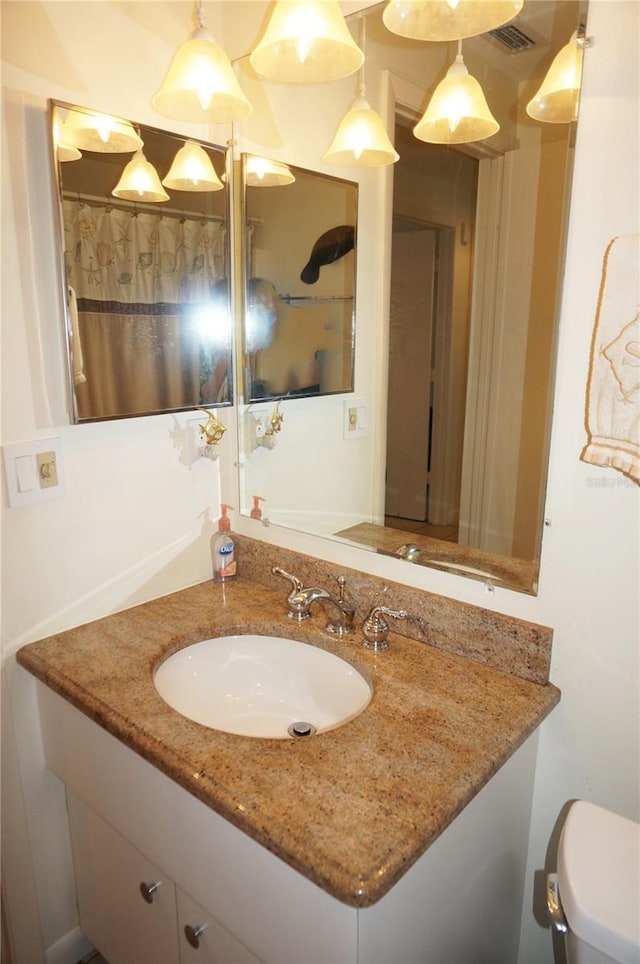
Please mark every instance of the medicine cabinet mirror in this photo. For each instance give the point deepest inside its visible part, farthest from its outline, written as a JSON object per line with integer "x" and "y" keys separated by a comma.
{"x": 440, "y": 456}
{"x": 299, "y": 233}
{"x": 144, "y": 270}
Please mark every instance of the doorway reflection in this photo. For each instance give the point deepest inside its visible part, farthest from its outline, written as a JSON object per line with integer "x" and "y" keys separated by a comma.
{"x": 435, "y": 191}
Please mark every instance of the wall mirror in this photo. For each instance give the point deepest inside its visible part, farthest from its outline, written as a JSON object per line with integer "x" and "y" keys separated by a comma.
{"x": 299, "y": 232}
{"x": 144, "y": 218}
{"x": 452, "y": 463}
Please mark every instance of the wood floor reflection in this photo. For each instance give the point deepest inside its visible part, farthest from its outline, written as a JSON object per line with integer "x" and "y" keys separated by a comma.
{"x": 448, "y": 533}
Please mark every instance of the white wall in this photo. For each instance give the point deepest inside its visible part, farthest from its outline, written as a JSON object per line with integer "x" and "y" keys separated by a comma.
{"x": 135, "y": 520}
{"x": 590, "y": 566}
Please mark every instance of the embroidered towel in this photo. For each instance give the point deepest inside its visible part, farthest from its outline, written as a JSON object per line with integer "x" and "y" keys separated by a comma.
{"x": 613, "y": 388}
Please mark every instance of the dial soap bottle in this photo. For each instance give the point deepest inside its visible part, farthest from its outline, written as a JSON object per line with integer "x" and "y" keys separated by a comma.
{"x": 224, "y": 549}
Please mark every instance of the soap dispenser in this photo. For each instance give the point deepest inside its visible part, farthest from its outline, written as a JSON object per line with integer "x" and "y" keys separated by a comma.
{"x": 224, "y": 561}
{"x": 256, "y": 512}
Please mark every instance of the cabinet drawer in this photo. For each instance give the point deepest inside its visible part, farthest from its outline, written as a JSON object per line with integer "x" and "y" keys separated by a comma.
{"x": 125, "y": 926}
{"x": 215, "y": 944}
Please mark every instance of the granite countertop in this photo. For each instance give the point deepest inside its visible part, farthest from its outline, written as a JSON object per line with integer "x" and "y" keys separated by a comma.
{"x": 352, "y": 808}
{"x": 507, "y": 571}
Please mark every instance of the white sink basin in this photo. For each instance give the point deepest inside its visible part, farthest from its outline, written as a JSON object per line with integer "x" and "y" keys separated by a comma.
{"x": 262, "y": 686}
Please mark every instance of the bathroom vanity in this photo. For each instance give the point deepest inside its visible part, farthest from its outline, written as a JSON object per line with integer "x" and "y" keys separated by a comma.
{"x": 400, "y": 836}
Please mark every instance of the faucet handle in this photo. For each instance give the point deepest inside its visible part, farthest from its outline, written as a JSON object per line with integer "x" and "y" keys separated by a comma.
{"x": 295, "y": 582}
{"x": 376, "y": 628}
{"x": 296, "y": 601}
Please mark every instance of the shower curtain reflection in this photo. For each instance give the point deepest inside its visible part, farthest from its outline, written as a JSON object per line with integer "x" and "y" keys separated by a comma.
{"x": 170, "y": 343}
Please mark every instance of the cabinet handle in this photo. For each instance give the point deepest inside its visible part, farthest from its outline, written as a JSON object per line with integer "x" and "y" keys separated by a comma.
{"x": 193, "y": 934}
{"x": 148, "y": 890}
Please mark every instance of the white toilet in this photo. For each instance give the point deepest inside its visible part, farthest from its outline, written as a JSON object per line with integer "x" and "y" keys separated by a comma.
{"x": 594, "y": 898}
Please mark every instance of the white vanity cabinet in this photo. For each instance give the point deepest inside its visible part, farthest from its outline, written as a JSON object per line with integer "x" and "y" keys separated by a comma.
{"x": 461, "y": 901}
{"x": 131, "y": 910}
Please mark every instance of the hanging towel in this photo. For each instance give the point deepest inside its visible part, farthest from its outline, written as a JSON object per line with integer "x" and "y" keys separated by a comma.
{"x": 613, "y": 388}
{"x": 76, "y": 346}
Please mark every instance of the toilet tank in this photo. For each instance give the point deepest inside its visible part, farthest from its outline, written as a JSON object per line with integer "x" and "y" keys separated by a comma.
{"x": 599, "y": 885}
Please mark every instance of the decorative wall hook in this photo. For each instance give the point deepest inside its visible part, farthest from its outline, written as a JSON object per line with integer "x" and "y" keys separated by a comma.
{"x": 213, "y": 431}
{"x": 263, "y": 429}
{"x": 275, "y": 422}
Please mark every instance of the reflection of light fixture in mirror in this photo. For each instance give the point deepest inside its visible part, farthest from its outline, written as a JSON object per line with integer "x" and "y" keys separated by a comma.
{"x": 64, "y": 151}
{"x": 457, "y": 112}
{"x": 557, "y": 99}
{"x": 263, "y": 172}
{"x": 100, "y": 133}
{"x": 200, "y": 84}
{"x": 192, "y": 170}
{"x": 447, "y": 19}
{"x": 140, "y": 182}
{"x": 361, "y": 139}
{"x": 306, "y": 42}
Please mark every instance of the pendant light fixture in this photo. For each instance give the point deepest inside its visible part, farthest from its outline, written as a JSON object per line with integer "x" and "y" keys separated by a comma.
{"x": 140, "y": 182}
{"x": 361, "y": 139}
{"x": 447, "y": 19}
{"x": 192, "y": 170}
{"x": 557, "y": 99}
{"x": 200, "y": 85}
{"x": 89, "y": 131}
{"x": 457, "y": 112}
{"x": 306, "y": 42}
{"x": 64, "y": 151}
{"x": 263, "y": 172}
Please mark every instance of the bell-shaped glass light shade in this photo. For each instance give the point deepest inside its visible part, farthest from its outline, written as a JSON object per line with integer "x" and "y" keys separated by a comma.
{"x": 447, "y": 19}
{"x": 200, "y": 85}
{"x": 361, "y": 139}
{"x": 457, "y": 112}
{"x": 192, "y": 170}
{"x": 262, "y": 172}
{"x": 306, "y": 42}
{"x": 140, "y": 182}
{"x": 557, "y": 100}
{"x": 64, "y": 151}
{"x": 100, "y": 133}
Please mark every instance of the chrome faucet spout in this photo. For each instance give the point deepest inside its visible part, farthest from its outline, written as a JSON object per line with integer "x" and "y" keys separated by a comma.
{"x": 300, "y": 600}
{"x": 339, "y": 613}
{"x": 306, "y": 597}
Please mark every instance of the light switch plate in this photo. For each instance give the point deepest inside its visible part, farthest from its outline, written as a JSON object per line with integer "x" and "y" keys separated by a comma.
{"x": 33, "y": 471}
{"x": 355, "y": 418}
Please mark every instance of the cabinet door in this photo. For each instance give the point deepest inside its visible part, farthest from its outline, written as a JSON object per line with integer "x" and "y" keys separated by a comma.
{"x": 215, "y": 945}
{"x": 125, "y": 926}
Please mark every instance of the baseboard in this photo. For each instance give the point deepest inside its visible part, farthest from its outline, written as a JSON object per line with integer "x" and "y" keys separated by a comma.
{"x": 69, "y": 949}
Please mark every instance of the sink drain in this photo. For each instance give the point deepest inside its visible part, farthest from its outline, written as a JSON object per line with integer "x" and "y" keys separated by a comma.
{"x": 301, "y": 728}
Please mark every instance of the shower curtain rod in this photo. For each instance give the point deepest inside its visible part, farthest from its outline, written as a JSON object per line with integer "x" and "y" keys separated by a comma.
{"x": 143, "y": 208}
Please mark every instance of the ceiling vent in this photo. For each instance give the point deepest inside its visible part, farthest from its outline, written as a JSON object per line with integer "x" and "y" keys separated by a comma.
{"x": 513, "y": 38}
